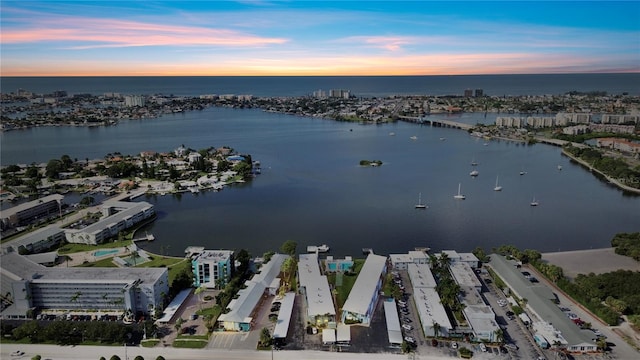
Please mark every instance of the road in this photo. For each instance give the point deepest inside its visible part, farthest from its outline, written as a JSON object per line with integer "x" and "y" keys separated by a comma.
{"x": 55, "y": 352}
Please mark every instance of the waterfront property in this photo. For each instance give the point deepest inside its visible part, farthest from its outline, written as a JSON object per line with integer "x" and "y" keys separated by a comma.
{"x": 243, "y": 308}
{"x": 117, "y": 216}
{"x": 456, "y": 257}
{"x": 28, "y": 212}
{"x": 480, "y": 318}
{"x": 33, "y": 286}
{"x": 212, "y": 268}
{"x": 433, "y": 317}
{"x": 542, "y": 310}
{"x": 315, "y": 288}
{"x": 361, "y": 303}
{"x": 402, "y": 261}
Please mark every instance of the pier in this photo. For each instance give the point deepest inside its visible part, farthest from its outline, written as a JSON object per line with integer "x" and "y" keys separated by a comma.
{"x": 436, "y": 123}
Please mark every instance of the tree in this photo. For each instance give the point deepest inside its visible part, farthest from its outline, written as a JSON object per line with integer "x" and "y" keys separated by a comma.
{"x": 499, "y": 335}
{"x": 287, "y": 268}
{"x": 243, "y": 258}
{"x": 114, "y": 357}
{"x": 66, "y": 161}
{"x": 54, "y": 168}
{"x": 289, "y": 247}
{"x": 178, "y": 324}
{"x": 436, "y": 329}
{"x": 265, "y": 337}
{"x": 139, "y": 357}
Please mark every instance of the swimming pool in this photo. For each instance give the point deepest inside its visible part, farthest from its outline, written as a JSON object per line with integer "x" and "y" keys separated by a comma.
{"x": 104, "y": 252}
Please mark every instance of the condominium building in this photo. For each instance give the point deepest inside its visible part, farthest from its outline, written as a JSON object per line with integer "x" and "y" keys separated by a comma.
{"x": 315, "y": 287}
{"x": 118, "y": 216}
{"x": 212, "y": 268}
{"x": 402, "y": 261}
{"x": 30, "y": 286}
{"x": 361, "y": 303}
{"x": 26, "y": 213}
{"x": 134, "y": 100}
{"x": 433, "y": 317}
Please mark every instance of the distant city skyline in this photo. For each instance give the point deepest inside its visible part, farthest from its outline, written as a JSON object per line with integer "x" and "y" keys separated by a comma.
{"x": 206, "y": 38}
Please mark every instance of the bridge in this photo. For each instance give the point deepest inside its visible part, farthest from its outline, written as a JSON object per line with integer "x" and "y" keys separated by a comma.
{"x": 434, "y": 122}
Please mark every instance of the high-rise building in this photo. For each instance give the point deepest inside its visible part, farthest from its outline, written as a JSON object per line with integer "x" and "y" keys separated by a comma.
{"x": 479, "y": 93}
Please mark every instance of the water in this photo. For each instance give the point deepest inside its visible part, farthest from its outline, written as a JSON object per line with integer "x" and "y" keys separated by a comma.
{"x": 367, "y": 86}
{"x": 312, "y": 190}
{"x": 99, "y": 253}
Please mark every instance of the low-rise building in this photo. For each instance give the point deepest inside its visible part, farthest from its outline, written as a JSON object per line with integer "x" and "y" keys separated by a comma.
{"x": 28, "y": 212}
{"x": 242, "y": 309}
{"x": 36, "y": 241}
{"x": 361, "y": 303}
{"x": 433, "y": 316}
{"x": 402, "y": 261}
{"x": 338, "y": 265}
{"x": 315, "y": 288}
{"x": 118, "y": 216}
{"x": 541, "y": 308}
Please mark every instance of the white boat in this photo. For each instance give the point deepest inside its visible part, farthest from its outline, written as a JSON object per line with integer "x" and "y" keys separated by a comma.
{"x": 459, "y": 196}
{"x": 443, "y": 139}
{"x": 420, "y": 205}
{"x": 392, "y": 134}
{"x": 474, "y": 173}
{"x": 474, "y": 163}
{"x": 414, "y": 137}
{"x": 534, "y": 202}
{"x": 522, "y": 172}
{"x": 320, "y": 248}
{"x": 559, "y": 167}
{"x": 498, "y": 187}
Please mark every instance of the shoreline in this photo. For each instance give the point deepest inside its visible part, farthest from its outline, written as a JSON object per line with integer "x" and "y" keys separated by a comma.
{"x": 609, "y": 179}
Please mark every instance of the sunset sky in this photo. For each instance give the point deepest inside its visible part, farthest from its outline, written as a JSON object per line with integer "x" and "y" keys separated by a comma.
{"x": 207, "y": 38}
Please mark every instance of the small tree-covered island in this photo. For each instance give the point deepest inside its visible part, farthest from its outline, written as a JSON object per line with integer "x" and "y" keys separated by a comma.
{"x": 370, "y": 162}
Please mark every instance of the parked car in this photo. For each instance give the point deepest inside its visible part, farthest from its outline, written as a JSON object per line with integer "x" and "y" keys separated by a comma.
{"x": 407, "y": 327}
{"x": 502, "y": 302}
{"x": 17, "y": 353}
{"x": 454, "y": 345}
{"x": 409, "y": 339}
{"x": 483, "y": 348}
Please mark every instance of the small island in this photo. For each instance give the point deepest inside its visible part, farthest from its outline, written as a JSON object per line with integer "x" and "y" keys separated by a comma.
{"x": 370, "y": 162}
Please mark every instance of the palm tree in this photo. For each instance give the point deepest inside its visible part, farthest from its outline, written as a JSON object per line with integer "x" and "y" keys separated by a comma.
{"x": 436, "y": 329}
{"x": 199, "y": 292}
{"x": 499, "y": 335}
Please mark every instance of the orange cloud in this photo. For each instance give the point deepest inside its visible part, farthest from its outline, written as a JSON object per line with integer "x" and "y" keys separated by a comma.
{"x": 118, "y": 33}
{"x": 438, "y": 64}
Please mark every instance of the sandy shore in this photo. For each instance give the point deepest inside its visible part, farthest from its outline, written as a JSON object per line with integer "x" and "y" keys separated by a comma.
{"x": 597, "y": 261}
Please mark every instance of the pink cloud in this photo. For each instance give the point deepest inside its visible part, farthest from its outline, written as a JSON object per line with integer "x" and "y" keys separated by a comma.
{"x": 119, "y": 33}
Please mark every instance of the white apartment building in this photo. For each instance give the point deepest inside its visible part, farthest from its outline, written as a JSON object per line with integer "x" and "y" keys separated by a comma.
{"x": 118, "y": 216}
{"x": 31, "y": 285}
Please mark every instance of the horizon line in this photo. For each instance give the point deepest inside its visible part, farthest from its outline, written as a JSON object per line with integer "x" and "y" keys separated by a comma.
{"x": 336, "y": 75}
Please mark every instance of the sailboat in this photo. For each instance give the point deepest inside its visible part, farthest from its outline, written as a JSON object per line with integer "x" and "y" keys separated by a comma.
{"x": 534, "y": 202}
{"x": 474, "y": 162}
{"x": 420, "y": 205}
{"x": 498, "y": 187}
{"x": 459, "y": 196}
{"x": 474, "y": 173}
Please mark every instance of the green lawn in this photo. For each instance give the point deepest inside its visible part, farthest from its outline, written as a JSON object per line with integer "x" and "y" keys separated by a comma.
{"x": 342, "y": 292}
{"x": 74, "y": 248}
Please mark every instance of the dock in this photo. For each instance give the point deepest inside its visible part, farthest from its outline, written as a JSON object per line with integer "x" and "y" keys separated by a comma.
{"x": 367, "y": 251}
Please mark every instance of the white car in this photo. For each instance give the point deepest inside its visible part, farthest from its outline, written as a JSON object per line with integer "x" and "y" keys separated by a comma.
{"x": 407, "y": 327}
{"x": 502, "y": 302}
{"x": 17, "y": 353}
{"x": 454, "y": 345}
{"x": 483, "y": 347}
{"x": 409, "y": 339}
